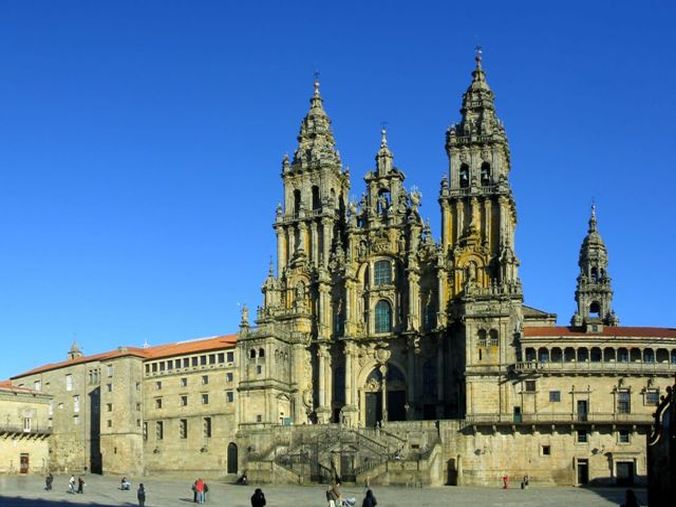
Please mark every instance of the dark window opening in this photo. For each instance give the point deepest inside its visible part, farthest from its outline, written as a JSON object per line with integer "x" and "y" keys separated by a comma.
{"x": 485, "y": 174}
{"x": 464, "y": 176}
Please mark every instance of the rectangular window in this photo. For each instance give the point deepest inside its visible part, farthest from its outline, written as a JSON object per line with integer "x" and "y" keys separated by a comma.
{"x": 203, "y": 360}
{"x": 183, "y": 428}
{"x": 184, "y": 400}
{"x": 138, "y": 423}
{"x": 184, "y": 382}
{"x": 138, "y": 386}
{"x": 623, "y": 402}
{"x": 158, "y": 385}
{"x": 37, "y": 385}
{"x": 138, "y": 407}
{"x": 530, "y": 386}
{"x": 205, "y": 399}
{"x": 382, "y": 273}
{"x": 159, "y": 430}
{"x": 231, "y": 357}
{"x": 207, "y": 427}
{"x": 554, "y": 396}
{"x": 259, "y": 418}
{"x": 581, "y": 436}
{"x": 109, "y": 387}
{"x": 158, "y": 402}
{"x": 186, "y": 362}
{"x": 228, "y": 377}
{"x": 76, "y": 403}
{"x": 170, "y": 364}
{"x": 229, "y": 396}
{"x": 109, "y": 407}
{"x": 221, "y": 358}
{"x": 109, "y": 423}
{"x": 212, "y": 358}
{"x": 145, "y": 430}
{"x": 69, "y": 382}
{"x": 623, "y": 437}
{"x": 546, "y": 450}
{"x": 26, "y": 424}
{"x": 154, "y": 367}
{"x": 162, "y": 365}
{"x": 205, "y": 379}
{"x": 76, "y": 420}
{"x": 259, "y": 369}
{"x": 147, "y": 368}
{"x": 652, "y": 397}
{"x": 194, "y": 361}
{"x": 110, "y": 370}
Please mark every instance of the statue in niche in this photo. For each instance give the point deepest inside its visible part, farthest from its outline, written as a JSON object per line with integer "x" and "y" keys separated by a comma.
{"x": 300, "y": 296}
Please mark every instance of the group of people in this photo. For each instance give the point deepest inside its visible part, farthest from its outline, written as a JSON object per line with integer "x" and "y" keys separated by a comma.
{"x": 199, "y": 491}
{"x": 335, "y": 498}
{"x": 71, "y": 484}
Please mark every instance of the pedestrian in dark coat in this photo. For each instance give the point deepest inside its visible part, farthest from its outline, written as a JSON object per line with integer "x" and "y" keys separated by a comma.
{"x": 141, "y": 495}
{"x": 369, "y": 499}
{"x": 258, "y": 498}
{"x": 80, "y": 485}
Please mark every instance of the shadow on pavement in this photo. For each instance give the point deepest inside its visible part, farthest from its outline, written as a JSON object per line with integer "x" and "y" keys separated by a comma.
{"x": 616, "y": 494}
{"x": 17, "y": 501}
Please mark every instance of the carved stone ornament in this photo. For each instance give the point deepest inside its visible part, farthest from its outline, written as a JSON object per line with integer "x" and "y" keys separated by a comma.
{"x": 382, "y": 355}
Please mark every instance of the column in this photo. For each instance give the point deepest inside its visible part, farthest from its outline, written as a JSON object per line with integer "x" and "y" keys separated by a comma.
{"x": 314, "y": 240}
{"x": 383, "y": 371}
{"x": 322, "y": 375}
{"x": 348, "y": 374}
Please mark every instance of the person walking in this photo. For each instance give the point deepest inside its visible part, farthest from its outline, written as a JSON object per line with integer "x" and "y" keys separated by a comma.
{"x": 199, "y": 488}
{"x": 141, "y": 495}
{"x": 258, "y": 498}
{"x": 80, "y": 485}
{"x": 369, "y": 499}
{"x": 71, "y": 484}
{"x": 48, "y": 481}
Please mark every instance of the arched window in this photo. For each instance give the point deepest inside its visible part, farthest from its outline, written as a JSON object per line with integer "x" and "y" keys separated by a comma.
{"x": 582, "y": 355}
{"x": 316, "y": 202}
{"x": 383, "y": 201}
{"x": 493, "y": 333}
{"x": 594, "y": 274}
{"x": 662, "y": 356}
{"x": 530, "y": 354}
{"x": 622, "y": 355}
{"x": 595, "y": 310}
{"x": 608, "y": 354}
{"x": 382, "y": 273}
{"x": 464, "y": 176}
{"x": 543, "y": 355}
{"x": 485, "y": 174}
{"x": 261, "y": 353}
{"x": 482, "y": 338}
{"x": 596, "y": 355}
{"x": 252, "y": 353}
{"x": 569, "y": 354}
{"x": 648, "y": 356}
{"x": 673, "y": 357}
{"x": 383, "y": 317}
{"x": 556, "y": 355}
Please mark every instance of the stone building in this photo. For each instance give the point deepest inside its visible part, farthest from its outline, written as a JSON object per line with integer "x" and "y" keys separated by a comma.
{"x": 24, "y": 429}
{"x": 379, "y": 352}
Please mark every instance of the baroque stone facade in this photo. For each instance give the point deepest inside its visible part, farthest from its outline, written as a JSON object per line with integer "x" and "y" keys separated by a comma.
{"x": 380, "y": 353}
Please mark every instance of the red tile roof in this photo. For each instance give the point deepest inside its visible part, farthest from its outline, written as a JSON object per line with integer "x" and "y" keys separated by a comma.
{"x": 609, "y": 331}
{"x": 147, "y": 353}
{"x": 7, "y": 386}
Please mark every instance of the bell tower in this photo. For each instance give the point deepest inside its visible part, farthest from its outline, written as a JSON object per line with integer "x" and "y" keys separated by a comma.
{"x": 594, "y": 295}
{"x": 483, "y": 294}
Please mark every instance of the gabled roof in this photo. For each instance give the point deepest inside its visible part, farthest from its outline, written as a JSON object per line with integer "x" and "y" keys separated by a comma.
{"x": 608, "y": 331}
{"x": 146, "y": 353}
{"x": 8, "y": 387}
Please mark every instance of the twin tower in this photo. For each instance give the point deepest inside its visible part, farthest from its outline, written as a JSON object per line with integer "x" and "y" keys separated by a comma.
{"x": 368, "y": 317}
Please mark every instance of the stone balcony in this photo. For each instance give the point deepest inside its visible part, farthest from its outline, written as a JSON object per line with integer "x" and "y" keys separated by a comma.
{"x": 595, "y": 367}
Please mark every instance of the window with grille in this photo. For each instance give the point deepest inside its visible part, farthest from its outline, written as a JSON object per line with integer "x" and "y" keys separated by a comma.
{"x": 383, "y": 317}
{"x": 183, "y": 428}
{"x": 623, "y": 437}
{"x": 652, "y": 397}
{"x": 530, "y": 386}
{"x": 159, "y": 430}
{"x": 582, "y": 436}
{"x": 382, "y": 274}
{"x": 207, "y": 427}
{"x": 554, "y": 396}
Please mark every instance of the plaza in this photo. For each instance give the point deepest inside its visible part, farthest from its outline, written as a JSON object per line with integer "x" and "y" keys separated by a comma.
{"x": 28, "y": 491}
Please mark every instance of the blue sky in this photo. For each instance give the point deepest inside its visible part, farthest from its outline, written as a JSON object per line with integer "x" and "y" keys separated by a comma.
{"x": 140, "y": 148}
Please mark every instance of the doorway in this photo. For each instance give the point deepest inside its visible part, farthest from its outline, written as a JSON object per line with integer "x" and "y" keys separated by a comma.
{"x": 232, "y": 458}
{"x": 23, "y": 463}
{"x": 396, "y": 405}
{"x": 582, "y": 471}
{"x": 625, "y": 473}
{"x": 374, "y": 409}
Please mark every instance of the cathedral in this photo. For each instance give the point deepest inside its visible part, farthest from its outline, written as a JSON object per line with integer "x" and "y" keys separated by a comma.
{"x": 379, "y": 353}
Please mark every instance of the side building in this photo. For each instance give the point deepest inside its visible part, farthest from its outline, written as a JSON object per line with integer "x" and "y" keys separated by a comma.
{"x": 135, "y": 410}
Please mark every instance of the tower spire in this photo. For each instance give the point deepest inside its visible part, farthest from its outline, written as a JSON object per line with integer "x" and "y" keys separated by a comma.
{"x": 316, "y": 144}
{"x": 594, "y": 294}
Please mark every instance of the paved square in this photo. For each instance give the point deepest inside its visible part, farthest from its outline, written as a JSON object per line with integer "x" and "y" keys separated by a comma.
{"x": 166, "y": 492}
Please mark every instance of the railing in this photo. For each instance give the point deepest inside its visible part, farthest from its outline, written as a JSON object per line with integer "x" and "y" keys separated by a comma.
{"x": 604, "y": 366}
{"x": 558, "y": 418}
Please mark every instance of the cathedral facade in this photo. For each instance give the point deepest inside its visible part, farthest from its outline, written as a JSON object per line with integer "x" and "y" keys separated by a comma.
{"x": 380, "y": 353}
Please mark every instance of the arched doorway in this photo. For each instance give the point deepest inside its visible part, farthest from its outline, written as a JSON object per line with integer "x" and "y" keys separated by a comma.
{"x": 384, "y": 397}
{"x": 232, "y": 458}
